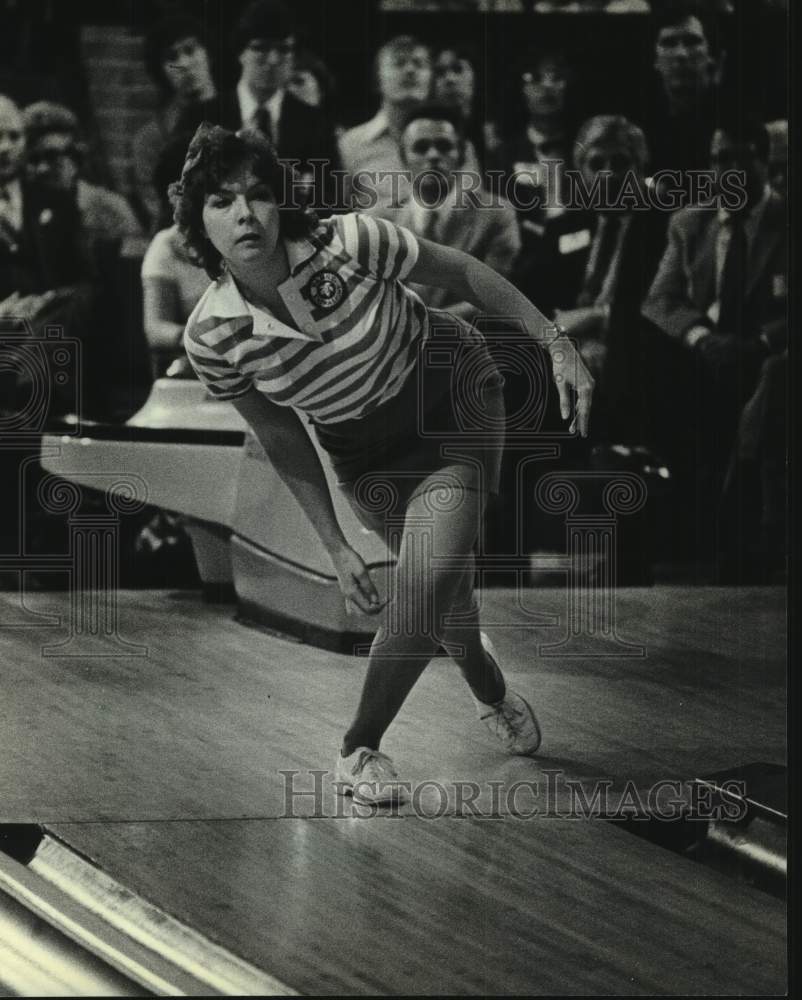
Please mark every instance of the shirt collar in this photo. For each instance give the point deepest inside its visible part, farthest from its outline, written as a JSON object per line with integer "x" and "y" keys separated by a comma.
{"x": 540, "y": 139}
{"x": 225, "y": 301}
{"x": 755, "y": 213}
{"x": 378, "y": 126}
{"x": 13, "y": 212}
{"x": 82, "y": 194}
{"x": 13, "y": 190}
{"x": 248, "y": 105}
{"x": 300, "y": 251}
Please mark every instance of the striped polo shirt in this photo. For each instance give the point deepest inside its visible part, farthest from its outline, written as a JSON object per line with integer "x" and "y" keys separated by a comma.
{"x": 356, "y": 327}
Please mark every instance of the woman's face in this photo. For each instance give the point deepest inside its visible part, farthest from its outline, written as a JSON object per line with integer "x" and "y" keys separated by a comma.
{"x": 544, "y": 90}
{"x": 186, "y": 66}
{"x": 241, "y": 219}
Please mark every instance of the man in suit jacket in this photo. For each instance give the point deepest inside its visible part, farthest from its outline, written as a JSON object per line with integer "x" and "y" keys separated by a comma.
{"x": 679, "y": 112}
{"x": 689, "y": 297}
{"x": 264, "y": 43}
{"x": 594, "y": 265}
{"x": 438, "y": 206}
{"x": 720, "y": 295}
{"x": 44, "y": 280}
{"x": 40, "y": 232}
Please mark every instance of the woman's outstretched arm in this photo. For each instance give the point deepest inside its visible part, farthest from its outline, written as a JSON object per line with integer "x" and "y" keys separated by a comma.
{"x": 282, "y": 435}
{"x": 470, "y": 279}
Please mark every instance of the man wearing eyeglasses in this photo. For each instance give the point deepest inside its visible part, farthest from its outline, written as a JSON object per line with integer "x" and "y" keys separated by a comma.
{"x": 264, "y": 42}
{"x": 45, "y": 279}
{"x": 40, "y": 232}
{"x": 56, "y": 153}
{"x": 721, "y": 295}
{"x": 438, "y": 207}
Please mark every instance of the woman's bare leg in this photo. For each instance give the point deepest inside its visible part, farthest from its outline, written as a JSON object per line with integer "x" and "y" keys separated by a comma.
{"x": 433, "y": 574}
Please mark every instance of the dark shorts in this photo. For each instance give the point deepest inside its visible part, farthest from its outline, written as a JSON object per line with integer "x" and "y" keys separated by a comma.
{"x": 447, "y": 419}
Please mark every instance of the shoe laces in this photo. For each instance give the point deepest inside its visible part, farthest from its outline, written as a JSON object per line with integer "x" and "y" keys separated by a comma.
{"x": 507, "y": 718}
{"x": 374, "y": 765}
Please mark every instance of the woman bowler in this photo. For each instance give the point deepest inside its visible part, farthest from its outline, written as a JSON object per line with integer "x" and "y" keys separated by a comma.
{"x": 314, "y": 316}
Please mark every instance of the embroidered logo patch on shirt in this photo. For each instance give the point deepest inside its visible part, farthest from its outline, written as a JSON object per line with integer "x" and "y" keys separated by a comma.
{"x": 326, "y": 289}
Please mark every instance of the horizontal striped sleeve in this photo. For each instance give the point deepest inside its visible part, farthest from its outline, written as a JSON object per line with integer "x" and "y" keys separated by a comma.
{"x": 221, "y": 378}
{"x": 384, "y": 249}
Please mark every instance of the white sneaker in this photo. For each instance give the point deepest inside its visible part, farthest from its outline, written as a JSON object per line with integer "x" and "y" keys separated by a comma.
{"x": 511, "y": 720}
{"x": 370, "y": 777}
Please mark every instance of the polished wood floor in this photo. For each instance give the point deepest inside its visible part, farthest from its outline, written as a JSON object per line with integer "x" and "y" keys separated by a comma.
{"x": 165, "y": 769}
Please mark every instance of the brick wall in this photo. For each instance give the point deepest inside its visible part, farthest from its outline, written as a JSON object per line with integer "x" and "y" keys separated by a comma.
{"x": 121, "y": 95}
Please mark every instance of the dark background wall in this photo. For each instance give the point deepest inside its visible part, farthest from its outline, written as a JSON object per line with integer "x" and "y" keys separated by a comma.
{"x": 39, "y": 53}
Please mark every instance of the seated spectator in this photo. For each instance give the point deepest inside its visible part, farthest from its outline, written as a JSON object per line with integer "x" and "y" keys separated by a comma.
{"x": 678, "y": 115}
{"x": 404, "y": 77}
{"x": 720, "y": 294}
{"x": 45, "y": 279}
{"x": 264, "y": 41}
{"x": 455, "y": 82}
{"x": 56, "y": 153}
{"x": 178, "y": 61}
{"x": 171, "y": 283}
{"x": 594, "y": 267}
{"x": 312, "y": 83}
{"x": 538, "y": 139}
{"x": 43, "y": 252}
{"x": 433, "y": 149}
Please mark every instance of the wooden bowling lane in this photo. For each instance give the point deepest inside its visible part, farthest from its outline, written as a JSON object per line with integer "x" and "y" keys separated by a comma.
{"x": 165, "y": 769}
{"x": 201, "y": 726}
{"x": 453, "y": 906}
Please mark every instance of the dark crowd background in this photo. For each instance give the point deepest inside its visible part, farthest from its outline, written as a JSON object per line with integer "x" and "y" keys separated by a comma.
{"x": 726, "y": 515}
{"x": 40, "y": 52}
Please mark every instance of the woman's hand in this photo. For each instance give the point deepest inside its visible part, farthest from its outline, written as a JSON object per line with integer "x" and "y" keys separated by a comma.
{"x": 581, "y": 323}
{"x": 473, "y": 281}
{"x": 355, "y": 583}
{"x": 571, "y": 375}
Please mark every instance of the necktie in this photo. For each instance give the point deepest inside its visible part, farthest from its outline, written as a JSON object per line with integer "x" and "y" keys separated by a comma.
{"x": 264, "y": 123}
{"x": 733, "y": 278}
{"x": 601, "y": 256}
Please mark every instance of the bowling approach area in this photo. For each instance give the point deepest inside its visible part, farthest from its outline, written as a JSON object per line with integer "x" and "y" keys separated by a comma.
{"x": 169, "y": 823}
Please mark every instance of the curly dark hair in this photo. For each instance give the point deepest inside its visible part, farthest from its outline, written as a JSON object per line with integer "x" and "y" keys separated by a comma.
{"x": 263, "y": 19}
{"x": 164, "y": 33}
{"x": 214, "y": 153}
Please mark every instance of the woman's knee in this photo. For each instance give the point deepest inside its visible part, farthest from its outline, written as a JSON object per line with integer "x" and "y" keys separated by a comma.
{"x": 422, "y": 594}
